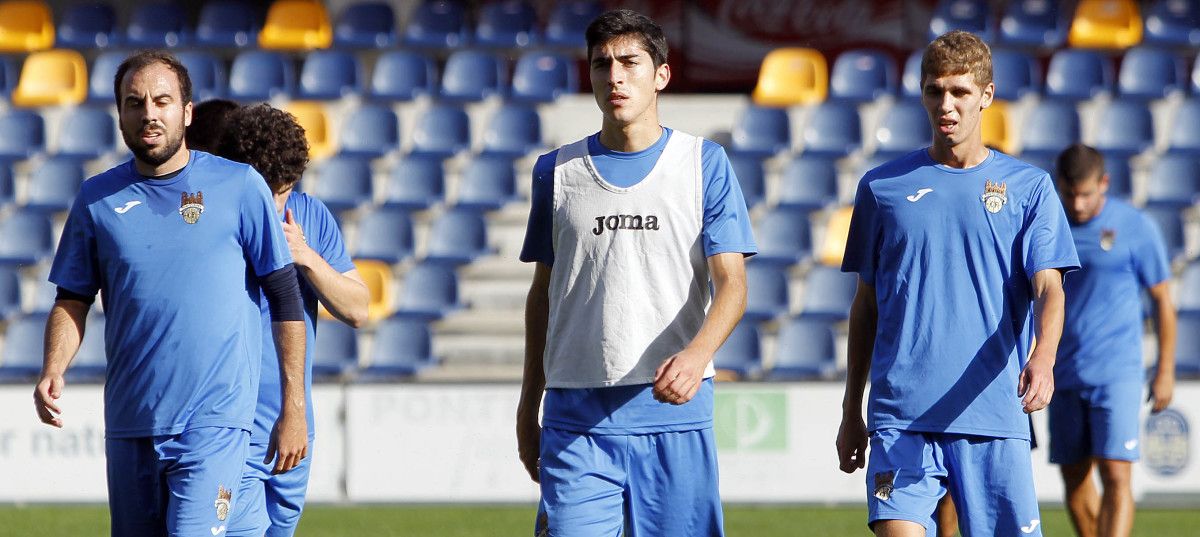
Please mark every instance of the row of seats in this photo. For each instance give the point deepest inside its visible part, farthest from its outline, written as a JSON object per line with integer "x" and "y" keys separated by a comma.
{"x": 27, "y": 25}
{"x": 1092, "y": 24}
{"x": 799, "y": 76}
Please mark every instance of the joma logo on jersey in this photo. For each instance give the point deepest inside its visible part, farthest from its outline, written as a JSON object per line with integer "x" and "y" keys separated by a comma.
{"x": 625, "y": 221}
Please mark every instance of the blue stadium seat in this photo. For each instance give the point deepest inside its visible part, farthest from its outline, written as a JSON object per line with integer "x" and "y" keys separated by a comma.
{"x": 261, "y": 75}
{"x": 10, "y": 73}
{"x": 429, "y": 292}
{"x": 832, "y": 130}
{"x": 1188, "y": 295}
{"x": 1150, "y": 73}
{"x": 784, "y": 237}
{"x": 1184, "y": 137}
{"x": 1033, "y": 23}
{"x": 86, "y": 133}
{"x": 1196, "y": 78}
{"x": 541, "y": 76}
{"x": 487, "y": 184}
{"x": 1125, "y": 128}
{"x": 910, "y": 81}
{"x": 1170, "y": 225}
{"x": 415, "y": 183}
{"x": 8, "y": 190}
{"x": 343, "y": 182}
{"x": 54, "y": 184}
{"x": 156, "y": 25}
{"x": 741, "y": 354}
{"x": 472, "y": 75}
{"x": 1187, "y": 346}
{"x": 24, "y": 238}
{"x": 437, "y": 24}
{"x": 861, "y": 75}
{"x": 229, "y": 23}
{"x": 804, "y": 350}
{"x": 403, "y": 75}
{"x": 973, "y": 16}
{"x": 87, "y": 26}
{"x": 1078, "y": 74}
{"x": 762, "y": 132}
{"x": 335, "y": 352}
{"x": 568, "y": 21}
{"x": 402, "y": 348}
{"x": 904, "y": 128}
{"x": 828, "y": 293}
{"x": 21, "y": 360}
{"x": 514, "y": 131}
{"x": 751, "y": 177}
{"x": 1015, "y": 74}
{"x": 1174, "y": 182}
{"x": 370, "y": 131}
{"x": 384, "y": 234}
{"x": 330, "y": 74}
{"x": 766, "y": 292}
{"x": 22, "y": 134}
{"x": 442, "y": 131}
{"x": 209, "y": 78}
{"x": 808, "y": 183}
{"x": 1173, "y": 23}
{"x": 366, "y": 25}
{"x": 90, "y": 362}
{"x": 10, "y": 291}
{"x": 1049, "y": 128}
{"x": 100, "y": 76}
{"x": 1120, "y": 177}
{"x": 507, "y": 24}
{"x": 457, "y": 237}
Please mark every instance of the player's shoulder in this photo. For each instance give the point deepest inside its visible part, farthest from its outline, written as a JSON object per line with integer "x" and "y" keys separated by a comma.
{"x": 108, "y": 182}
{"x": 1008, "y": 168}
{"x": 307, "y": 207}
{"x": 543, "y": 167}
{"x": 1127, "y": 215}
{"x": 210, "y": 164}
{"x": 899, "y": 167}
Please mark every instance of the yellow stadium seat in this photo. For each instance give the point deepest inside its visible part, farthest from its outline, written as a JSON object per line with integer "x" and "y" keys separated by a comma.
{"x": 296, "y": 25}
{"x": 378, "y": 276}
{"x": 836, "y": 231}
{"x": 52, "y": 78}
{"x": 792, "y": 76}
{"x": 312, "y": 116}
{"x": 1106, "y": 24}
{"x": 25, "y": 26}
{"x": 996, "y": 127}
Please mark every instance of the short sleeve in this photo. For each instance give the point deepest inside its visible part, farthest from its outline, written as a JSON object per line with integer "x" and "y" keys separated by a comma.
{"x": 1047, "y": 242}
{"x": 726, "y": 220}
{"x": 539, "y": 232}
{"x": 1150, "y": 260}
{"x": 862, "y": 242}
{"x": 76, "y": 266}
{"x": 260, "y": 230}
{"x": 329, "y": 243}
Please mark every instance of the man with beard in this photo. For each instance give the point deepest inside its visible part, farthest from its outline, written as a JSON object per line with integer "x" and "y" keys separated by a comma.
{"x": 178, "y": 243}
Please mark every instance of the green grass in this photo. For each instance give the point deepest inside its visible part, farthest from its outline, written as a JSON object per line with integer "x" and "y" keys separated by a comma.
{"x": 485, "y": 521}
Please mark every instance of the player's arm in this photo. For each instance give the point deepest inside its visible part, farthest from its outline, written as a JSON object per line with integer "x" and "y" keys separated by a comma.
{"x": 289, "y": 439}
{"x": 64, "y": 333}
{"x": 1162, "y": 388}
{"x": 344, "y": 294}
{"x": 860, "y": 344}
{"x": 679, "y": 377}
{"x": 1036, "y": 385}
{"x": 533, "y": 380}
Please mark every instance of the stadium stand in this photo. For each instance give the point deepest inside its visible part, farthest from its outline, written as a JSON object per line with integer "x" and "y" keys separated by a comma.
{"x": 344, "y": 182}
{"x": 910, "y": 79}
{"x": 1033, "y": 23}
{"x": 26, "y": 26}
{"x": 22, "y": 134}
{"x": 861, "y": 75}
{"x": 378, "y": 277}
{"x": 10, "y": 73}
{"x": 1187, "y": 346}
{"x": 973, "y": 16}
{"x": 804, "y": 350}
{"x": 1049, "y": 128}
{"x": 542, "y": 76}
{"x": 86, "y": 132}
{"x": 53, "y": 185}
{"x": 807, "y": 183}
{"x": 1120, "y": 176}
{"x": 507, "y": 24}
{"x": 832, "y": 130}
{"x": 472, "y": 75}
{"x": 318, "y": 130}
{"x": 84, "y": 26}
{"x": 402, "y": 348}
{"x": 1174, "y": 182}
{"x": 1150, "y": 73}
{"x": 792, "y": 76}
{"x": 741, "y": 354}
{"x": 52, "y": 78}
{"x": 513, "y": 131}
{"x": 1078, "y": 74}
{"x": 442, "y": 131}
{"x": 21, "y": 360}
{"x": 437, "y": 24}
{"x": 415, "y": 183}
{"x": 903, "y": 129}
{"x": 1184, "y": 136}
{"x": 335, "y": 352}
{"x": 7, "y": 188}
{"x": 261, "y": 75}
{"x": 370, "y": 131}
{"x": 457, "y": 237}
{"x": 1187, "y": 296}
{"x": 10, "y": 292}
{"x": 1015, "y": 74}
{"x": 833, "y": 243}
{"x": 996, "y": 127}
{"x": 750, "y": 175}
{"x": 767, "y": 294}
{"x": 828, "y": 293}
{"x": 366, "y": 25}
{"x": 487, "y": 183}
{"x": 330, "y": 74}
{"x": 228, "y": 23}
{"x": 1170, "y": 224}
{"x": 1172, "y": 23}
{"x": 761, "y": 132}
{"x": 157, "y": 24}
{"x": 403, "y": 75}
{"x": 296, "y": 25}
{"x": 568, "y": 20}
{"x": 210, "y": 80}
{"x": 100, "y": 77}
{"x": 384, "y": 234}
{"x": 1124, "y": 128}
{"x": 1110, "y": 24}
{"x": 429, "y": 292}
{"x": 783, "y": 237}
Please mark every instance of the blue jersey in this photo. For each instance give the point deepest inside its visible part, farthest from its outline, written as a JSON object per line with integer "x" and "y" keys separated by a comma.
{"x": 176, "y": 262}
{"x": 726, "y": 228}
{"x": 1121, "y": 253}
{"x": 324, "y": 237}
{"x": 950, "y": 253}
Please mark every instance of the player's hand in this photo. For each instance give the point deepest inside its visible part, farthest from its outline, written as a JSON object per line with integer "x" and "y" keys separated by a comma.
{"x": 1162, "y": 390}
{"x": 48, "y": 389}
{"x": 852, "y": 443}
{"x": 678, "y": 378}
{"x": 1036, "y": 385}
{"x": 289, "y": 442}
{"x": 297, "y": 241}
{"x": 529, "y": 442}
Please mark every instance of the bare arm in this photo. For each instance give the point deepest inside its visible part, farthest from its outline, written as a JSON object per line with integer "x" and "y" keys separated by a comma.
{"x": 533, "y": 381}
{"x": 344, "y": 294}
{"x": 852, "y": 435}
{"x": 679, "y": 377}
{"x": 64, "y": 333}
{"x": 1036, "y": 385}
{"x": 290, "y": 439}
{"x": 1162, "y": 387}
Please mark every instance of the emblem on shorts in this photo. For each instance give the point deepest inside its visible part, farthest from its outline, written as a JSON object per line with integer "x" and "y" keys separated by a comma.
{"x": 884, "y": 485}
{"x": 224, "y": 496}
{"x": 191, "y": 206}
{"x": 1108, "y": 238}
{"x": 995, "y": 195}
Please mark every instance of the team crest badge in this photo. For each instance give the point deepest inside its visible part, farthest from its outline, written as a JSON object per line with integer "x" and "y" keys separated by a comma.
{"x": 995, "y": 195}
{"x": 884, "y": 485}
{"x": 224, "y": 496}
{"x": 1108, "y": 238}
{"x": 191, "y": 206}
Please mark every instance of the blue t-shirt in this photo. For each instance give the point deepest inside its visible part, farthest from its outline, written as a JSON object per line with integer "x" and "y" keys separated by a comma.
{"x": 726, "y": 228}
{"x": 1121, "y": 253}
{"x": 176, "y": 262}
{"x": 324, "y": 237}
{"x": 951, "y": 253}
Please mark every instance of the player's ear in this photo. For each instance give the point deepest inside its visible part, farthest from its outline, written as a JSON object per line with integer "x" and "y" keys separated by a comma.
{"x": 1104, "y": 184}
{"x": 187, "y": 114}
{"x": 662, "y": 76}
{"x": 989, "y": 91}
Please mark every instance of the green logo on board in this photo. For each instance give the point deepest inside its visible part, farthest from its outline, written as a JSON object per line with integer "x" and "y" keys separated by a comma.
{"x": 750, "y": 421}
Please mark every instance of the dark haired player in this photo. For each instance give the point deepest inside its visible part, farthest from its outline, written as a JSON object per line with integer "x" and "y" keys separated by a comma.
{"x": 208, "y": 124}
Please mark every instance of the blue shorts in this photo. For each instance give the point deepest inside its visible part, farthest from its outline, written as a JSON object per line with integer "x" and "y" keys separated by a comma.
{"x": 991, "y": 480}
{"x": 1099, "y": 422}
{"x": 175, "y": 485}
{"x": 270, "y": 505}
{"x": 648, "y": 485}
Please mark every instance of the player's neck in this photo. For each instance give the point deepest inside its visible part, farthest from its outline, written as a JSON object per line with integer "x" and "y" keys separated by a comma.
{"x": 172, "y": 165}
{"x": 968, "y": 154}
{"x": 631, "y": 137}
